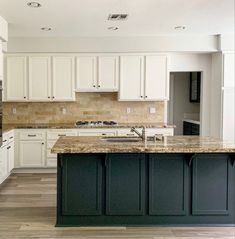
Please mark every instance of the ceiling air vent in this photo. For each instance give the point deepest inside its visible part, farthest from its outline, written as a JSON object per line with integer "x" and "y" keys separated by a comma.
{"x": 117, "y": 17}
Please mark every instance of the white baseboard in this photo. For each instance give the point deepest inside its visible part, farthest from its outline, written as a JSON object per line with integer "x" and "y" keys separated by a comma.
{"x": 34, "y": 170}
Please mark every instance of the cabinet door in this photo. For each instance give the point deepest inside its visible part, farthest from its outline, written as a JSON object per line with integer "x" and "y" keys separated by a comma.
{"x": 63, "y": 78}
{"x": 131, "y": 78}
{"x": 16, "y": 78}
{"x": 32, "y": 153}
{"x": 3, "y": 163}
{"x": 168, "y": 195}
{"x": 86, "y": 73}
{"x": 211, "y": 189}
{"x": 11, "y": 156}
{"x": 108, "y": 73}
{"x": 125, "y": 184}
{"x": 156, "y": 78}
{"x": 82, "y": 186}
{"x": 39, "y": 78}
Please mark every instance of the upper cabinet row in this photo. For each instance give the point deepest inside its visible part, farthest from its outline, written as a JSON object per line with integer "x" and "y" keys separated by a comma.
{"x": 57, "y": 78}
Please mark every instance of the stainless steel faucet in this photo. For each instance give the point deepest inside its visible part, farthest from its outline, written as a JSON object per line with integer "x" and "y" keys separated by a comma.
{"x": 141, "y": 135}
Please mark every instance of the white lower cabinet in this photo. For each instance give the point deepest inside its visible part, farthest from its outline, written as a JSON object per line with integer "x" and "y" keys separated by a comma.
{"x": 6, "y": 156}
{"x": 32, "y": 153}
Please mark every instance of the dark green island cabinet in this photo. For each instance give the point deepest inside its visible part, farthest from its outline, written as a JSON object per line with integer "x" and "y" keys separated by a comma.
{"x": 105, "y": 189}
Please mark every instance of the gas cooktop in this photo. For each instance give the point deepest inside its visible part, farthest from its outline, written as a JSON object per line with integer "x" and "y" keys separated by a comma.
{"x": 94, "y": 123}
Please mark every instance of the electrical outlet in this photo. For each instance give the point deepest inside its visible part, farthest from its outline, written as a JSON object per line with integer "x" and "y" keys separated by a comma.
{"x": 64, "y": 111}
{"x": 14, "y": 111}
{"x": 128, "y": 110}
{"x": 152, "y": 110}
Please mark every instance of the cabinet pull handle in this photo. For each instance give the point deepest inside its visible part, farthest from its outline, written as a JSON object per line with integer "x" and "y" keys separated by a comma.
{"x": 129, "y": 134}
{"x": 8, "y": 147}
{"x": 11, "y": 137}
{"x": 4, "y": 141}
{"x": 141, "y": 96}
{"x": 104, "y": 134}
{"x": 61, "y": 134}
{"x": 146, "y": 96}
{"x": 99, "y": 86}
{"x": 42, "y": 143}
{"x": 32, "y": 135}
{"x": 93, "y": 85}
{"x": 48, "y": 97}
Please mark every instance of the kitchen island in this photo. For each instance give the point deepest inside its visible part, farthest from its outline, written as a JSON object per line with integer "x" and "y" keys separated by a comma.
{"x": 180, "y": 180}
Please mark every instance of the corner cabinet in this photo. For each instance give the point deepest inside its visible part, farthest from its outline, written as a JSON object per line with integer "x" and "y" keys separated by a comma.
{"x": 144, "y": 78}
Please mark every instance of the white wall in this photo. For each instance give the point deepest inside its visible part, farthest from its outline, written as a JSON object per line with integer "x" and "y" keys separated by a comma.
{"x": 180, "y": 99}
{"x": 3, "y": 29}
{"x": 116, "y": 44}
{"x": 197, "y": 62}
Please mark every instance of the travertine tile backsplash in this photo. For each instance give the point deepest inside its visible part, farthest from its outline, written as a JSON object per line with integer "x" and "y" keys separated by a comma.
{"x": 88, "y": 106}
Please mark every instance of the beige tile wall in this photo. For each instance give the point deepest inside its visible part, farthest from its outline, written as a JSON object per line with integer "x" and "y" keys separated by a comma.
{"x": 88, "y": 106}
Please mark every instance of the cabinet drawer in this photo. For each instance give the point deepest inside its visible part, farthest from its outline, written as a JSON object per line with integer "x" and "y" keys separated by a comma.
{"x": 32, "y": 135}
{"x": 57, "y": 134}
{"x": 97, "y": 133}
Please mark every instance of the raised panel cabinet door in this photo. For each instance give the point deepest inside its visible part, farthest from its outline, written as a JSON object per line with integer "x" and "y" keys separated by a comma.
{"x": 86, "y": 70}
{"x": 32, "y": 153}
{"x": 131, "y": 78}
{"x": 125, "y": 184}
{"x": 168, "y": 194}
{"x": 108, "y": 73}
{"x": 39, "y": 78}
{"x": 11, "y": 156}
{"x": 3, "y": 163}
{"x": 16, "y": 78}
{"x": 81, "y": 184}
{"x": 211, "y": 189}
{"x": 63, "y": 78}
{"x": 156, "y": 78}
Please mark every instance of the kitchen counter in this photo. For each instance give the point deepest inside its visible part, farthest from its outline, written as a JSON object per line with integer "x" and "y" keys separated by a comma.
{"x": 192, "y": 121}
{"x": 171, "y": 144}
{"x": 72, "y": 126}
{"x": 177, "y": 181}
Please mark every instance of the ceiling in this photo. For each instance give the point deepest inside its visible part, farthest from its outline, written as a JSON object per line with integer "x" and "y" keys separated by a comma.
{"x": 77, "y": 18}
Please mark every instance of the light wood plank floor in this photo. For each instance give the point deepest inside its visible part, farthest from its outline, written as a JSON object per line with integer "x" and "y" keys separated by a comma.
{"x": 27, "y": 210}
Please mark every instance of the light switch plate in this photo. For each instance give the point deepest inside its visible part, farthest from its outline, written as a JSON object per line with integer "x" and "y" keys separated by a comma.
{"x": 14, "y": 111}
{"x": 152, "y": 110}
{"x": 64, "y": 111}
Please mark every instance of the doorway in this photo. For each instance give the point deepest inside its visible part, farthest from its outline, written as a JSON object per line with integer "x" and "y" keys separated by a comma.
{"x": 184, "y": 104}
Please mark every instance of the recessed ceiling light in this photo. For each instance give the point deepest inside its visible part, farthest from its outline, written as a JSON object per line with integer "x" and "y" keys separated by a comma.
{"x": 46, "y": 29}
{"x": 34, "y": 4}
{"x": 180, "y": 27}
{"x": 112, "y": 28}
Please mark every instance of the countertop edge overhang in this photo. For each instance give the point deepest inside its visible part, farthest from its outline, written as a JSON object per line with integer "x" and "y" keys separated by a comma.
{"x": 171, "y": 144}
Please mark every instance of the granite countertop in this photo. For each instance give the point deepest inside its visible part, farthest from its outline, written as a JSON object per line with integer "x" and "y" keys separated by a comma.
{"x": 192, "y": 121}
{"x": 7, "y": 127}
{"x": 171, "y": 144}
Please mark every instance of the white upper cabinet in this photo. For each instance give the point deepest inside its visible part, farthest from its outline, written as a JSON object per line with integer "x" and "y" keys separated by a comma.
{"x": 156, "y": 78}
{"x": 16, "y": 79}
{"x": 143, "y": 78}
{"x": 86, "y": 73}
{"x": 39, "y": 78}
{"x": 131, "y": 78}
{"x": 108, "y": 73}
{"x": 97, "y": 73}
{"x": 63, "y": 78}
